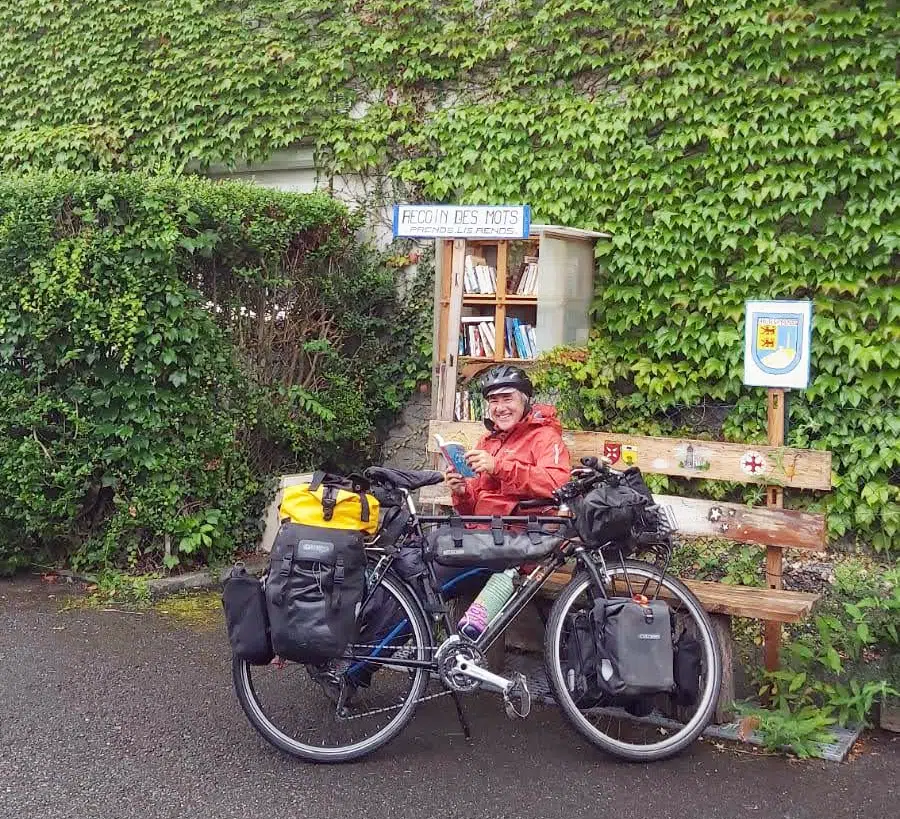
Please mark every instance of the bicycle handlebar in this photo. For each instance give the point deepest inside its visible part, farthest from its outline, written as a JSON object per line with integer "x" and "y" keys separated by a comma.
{"x": 536, "y": 503}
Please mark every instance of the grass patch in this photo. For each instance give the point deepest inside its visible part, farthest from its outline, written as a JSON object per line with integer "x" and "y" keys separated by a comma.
{"x": 201, "y": 611}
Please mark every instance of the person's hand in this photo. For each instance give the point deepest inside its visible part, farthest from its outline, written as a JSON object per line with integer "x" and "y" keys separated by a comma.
{"x": 455, "y": 481}
{"x": 481, "y": 461}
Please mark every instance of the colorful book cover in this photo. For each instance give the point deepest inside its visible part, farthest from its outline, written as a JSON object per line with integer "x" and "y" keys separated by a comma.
{"x": 454, "y": 454}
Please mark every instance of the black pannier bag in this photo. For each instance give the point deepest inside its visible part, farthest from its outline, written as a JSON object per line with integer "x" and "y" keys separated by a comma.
{"x": 608, "y": 513}
{"x": 582, "y": 668}
{"x": 245, "y": 615}
{"x": 634, "y": 643}
{"x": 316, "y": 583}
{"x": 619, "y": 652}
{"x": 688, "y": 667}
{"x": 499, "y": 547}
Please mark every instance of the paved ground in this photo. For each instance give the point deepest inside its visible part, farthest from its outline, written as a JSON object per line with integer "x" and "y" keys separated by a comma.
{"x": 125, "y": 716}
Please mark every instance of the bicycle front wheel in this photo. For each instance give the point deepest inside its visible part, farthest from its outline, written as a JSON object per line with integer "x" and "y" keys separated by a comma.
{"x": 655, "y": 728}
{"x": 343, "y": 710}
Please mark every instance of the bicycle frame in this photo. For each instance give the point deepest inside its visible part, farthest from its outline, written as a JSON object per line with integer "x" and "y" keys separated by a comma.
{"x": 435, "y": 603}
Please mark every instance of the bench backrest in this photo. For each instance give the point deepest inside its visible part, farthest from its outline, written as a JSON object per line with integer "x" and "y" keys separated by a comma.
{"x": 687, "y": 458}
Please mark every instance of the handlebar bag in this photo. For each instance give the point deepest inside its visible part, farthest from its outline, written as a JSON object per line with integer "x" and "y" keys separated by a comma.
{"x": 607, "y": 513}
{"x": 499, "y": 547}
{"x": 315, "y": 586}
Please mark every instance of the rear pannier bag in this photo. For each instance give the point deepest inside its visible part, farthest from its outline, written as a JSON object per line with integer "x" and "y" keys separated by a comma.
{"x": 316, "y": 583}
{"x": 499, "y": 547}
{"x": 245, "y": 615}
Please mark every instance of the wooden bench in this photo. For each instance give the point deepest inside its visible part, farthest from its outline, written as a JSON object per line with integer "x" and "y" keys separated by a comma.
{"x": 774, "y": 529}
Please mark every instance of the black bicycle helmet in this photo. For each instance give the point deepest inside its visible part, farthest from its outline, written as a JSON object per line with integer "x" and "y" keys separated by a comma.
{"x": 505, "y": 375}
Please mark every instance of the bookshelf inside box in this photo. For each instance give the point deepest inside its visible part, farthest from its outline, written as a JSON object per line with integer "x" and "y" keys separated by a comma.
{"x": 557, "y": 309}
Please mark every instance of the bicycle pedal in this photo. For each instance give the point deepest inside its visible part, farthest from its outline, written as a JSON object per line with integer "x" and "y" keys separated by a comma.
{"x": 517, "y": 698}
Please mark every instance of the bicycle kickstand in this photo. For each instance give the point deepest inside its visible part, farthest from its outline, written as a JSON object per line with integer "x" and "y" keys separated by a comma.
{"x": 463, "y": 720}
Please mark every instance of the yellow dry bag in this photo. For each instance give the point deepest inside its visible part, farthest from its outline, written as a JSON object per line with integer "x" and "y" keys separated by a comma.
{"x": 332, "y": 502}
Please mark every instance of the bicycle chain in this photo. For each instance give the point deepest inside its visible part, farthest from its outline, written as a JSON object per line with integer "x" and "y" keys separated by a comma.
{"x": 389, "y": 707}
{"x": 432, "y": 649}
{"x": 373, "y": 712}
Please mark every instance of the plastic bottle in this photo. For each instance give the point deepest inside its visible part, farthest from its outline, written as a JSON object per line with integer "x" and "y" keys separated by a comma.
{"x": 485, "y": 607}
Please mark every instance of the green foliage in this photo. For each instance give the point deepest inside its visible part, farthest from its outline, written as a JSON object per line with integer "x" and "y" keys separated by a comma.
{"x": 734, "y": 149}
{"x": 720, "y": 560}
{"x": 165, "y": 347}
{"x": 843, "y": 664}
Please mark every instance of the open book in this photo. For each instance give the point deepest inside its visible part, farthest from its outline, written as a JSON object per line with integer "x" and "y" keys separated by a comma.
{"x": 453, "y": 452}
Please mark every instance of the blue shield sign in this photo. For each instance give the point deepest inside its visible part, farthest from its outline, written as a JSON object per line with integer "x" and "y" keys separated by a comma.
{"x": 777, "y": 342}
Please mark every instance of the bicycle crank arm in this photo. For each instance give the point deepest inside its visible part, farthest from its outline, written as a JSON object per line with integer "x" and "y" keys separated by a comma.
{"x": 516, "y": 696}
{"x": 492, "y": 681}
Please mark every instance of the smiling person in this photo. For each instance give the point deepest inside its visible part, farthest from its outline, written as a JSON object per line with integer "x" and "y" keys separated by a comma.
{"x": 523, "y": 454}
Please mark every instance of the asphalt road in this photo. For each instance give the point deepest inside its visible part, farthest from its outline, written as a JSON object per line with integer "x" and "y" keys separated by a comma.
{"x": 131, "y": 715}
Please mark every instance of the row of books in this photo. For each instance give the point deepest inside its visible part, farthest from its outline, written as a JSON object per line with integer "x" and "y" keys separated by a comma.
{"x": 523, "y": 282}
{"x": 469, "y": 406}
{"x": 480, "y": 278}
{"x": 478, "y": 334}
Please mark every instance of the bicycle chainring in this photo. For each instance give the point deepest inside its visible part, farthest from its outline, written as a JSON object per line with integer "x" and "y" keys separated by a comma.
{"x": 445, "y": 658}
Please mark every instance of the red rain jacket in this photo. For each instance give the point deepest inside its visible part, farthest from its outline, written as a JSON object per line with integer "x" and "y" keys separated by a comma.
{"x": 531, "y": 461}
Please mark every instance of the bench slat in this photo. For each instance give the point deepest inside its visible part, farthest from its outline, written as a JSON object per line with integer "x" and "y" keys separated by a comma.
{"x": 713, "y": 460}
{"x": 784, "y": 528}
{"x": 778, "y": 605}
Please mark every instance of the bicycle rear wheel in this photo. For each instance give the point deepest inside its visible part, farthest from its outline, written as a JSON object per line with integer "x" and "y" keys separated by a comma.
{"x": 318, "y": 714}
{"x": 651, "y": 731}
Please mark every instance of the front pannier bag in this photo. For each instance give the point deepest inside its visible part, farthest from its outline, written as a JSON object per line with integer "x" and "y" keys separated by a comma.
{"x": 634, "y": 646}
{"x": 499, "y": 547}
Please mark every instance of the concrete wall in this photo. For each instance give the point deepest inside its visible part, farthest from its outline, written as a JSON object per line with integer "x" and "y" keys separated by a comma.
{"x": 406, "y": 442}
{"x": 295, "y": 170}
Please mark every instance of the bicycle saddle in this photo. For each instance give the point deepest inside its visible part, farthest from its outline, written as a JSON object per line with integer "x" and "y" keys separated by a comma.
{"x": 404, "y": 478}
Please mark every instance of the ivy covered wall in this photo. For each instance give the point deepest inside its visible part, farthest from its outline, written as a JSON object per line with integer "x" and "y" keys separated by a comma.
{"x": 735, "y": 149}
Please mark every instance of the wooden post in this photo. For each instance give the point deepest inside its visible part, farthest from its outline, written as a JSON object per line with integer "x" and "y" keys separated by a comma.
{"x": 775, "y": 499}
{"x": 448, "y": 368}
{"x": 721, "y": 624}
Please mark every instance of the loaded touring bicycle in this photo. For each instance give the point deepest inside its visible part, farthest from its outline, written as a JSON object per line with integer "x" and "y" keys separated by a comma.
{"x": 630, "y": 655}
